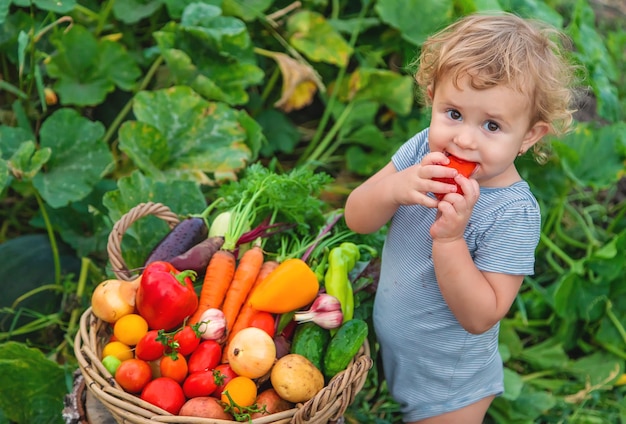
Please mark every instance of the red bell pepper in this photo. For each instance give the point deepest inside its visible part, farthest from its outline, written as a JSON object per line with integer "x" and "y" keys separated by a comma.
{"x": 166, "y": 296}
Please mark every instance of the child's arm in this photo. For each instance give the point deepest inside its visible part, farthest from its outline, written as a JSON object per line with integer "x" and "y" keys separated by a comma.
{"x": 477, "y": 299}
{"x": 372, "y": 204}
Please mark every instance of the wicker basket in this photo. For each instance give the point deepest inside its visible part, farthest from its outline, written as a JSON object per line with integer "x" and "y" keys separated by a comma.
{"x": 327, "y": 406}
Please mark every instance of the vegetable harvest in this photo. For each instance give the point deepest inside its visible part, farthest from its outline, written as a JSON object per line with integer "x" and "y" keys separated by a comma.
{"x": 217, "y": 345}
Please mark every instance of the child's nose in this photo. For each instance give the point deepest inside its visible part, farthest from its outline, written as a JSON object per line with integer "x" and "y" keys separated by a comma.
{"x": 465, "y": 138}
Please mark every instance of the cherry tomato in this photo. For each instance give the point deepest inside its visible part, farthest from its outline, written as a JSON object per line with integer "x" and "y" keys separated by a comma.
{"x": 174, "y": 367}
{"x": 187, "y": 340}
{"x": 265, "y": 321}
{"x": 199, "y": 383}
{"x": 133, "y": 375}
{"x": 130, "y": 328}
{"x": 118, "y": 349}
{"x": 222, "y": 373}
{"x": 241, "y": 391}
{"x": 148, "y": 348}
{"x": 165, "y": 393}
{"x": 207, "y": 356}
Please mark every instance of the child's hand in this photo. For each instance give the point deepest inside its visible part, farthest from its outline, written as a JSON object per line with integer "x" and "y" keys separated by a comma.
{"x": 412, "y": 185}
{"x": 455, "y": 211}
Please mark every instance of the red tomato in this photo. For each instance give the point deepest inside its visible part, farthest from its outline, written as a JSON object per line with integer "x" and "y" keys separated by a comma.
{"x": 133, "y": 375}
{"x": 207, "y": 356}
{"x": 187, "y": 340}
{"x": 165, "y": 393}
{"x": 175, "y": 368}
{"x": 265, "y": 321}
{"x": 464, "y": 167}
{"x": 148, "y": 348}
{"x": 222, "y": 374}
{"x": 200, "y": 383}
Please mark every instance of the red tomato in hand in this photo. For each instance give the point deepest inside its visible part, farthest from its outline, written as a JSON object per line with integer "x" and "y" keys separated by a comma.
{"x": 165, "y": 393}
{"x": 464, "y": 167}
{"x": 174, "y": 367}
{"x": 148, "y": 348}
{"x": 207, "y": 356}
{"x": 133, "y": 375}
{"x": 222, "y": 374}
{"x": 265, "y": 321}
{"x": 200, "y": 383}
{"x": 187, "y": 340}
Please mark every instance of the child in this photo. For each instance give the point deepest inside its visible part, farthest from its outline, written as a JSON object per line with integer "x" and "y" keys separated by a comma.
{"x": 451, "y": 269}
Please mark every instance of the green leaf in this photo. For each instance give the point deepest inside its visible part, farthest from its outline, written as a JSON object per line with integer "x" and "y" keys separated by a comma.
{"x": 180, "y": 135}
{"x": 210, "y": 53}
{"x": 311, "y": 34}
{"x": 597, "y": 369}
{"x": 513, "y": 384}
{"x": 175, "y": 8}
{"x": 27, "y": 160}
{"x": 576, "y": 297}
{"x": 415, "y": 19}
{"x": 545, "y": 355}
{"x": 250, "y": 10}
{"x": 78, "y": 161}
{"x": 4, "y": 10}
{"x": 132, "y": 11}
{"x": 32, "y": 387}
{"x": 384, "y": 87}
{"x": 56, "y": 6}
{"x": 588, "y": 155}
{"x": 182, "y": 197}
{"x": 88, "y": 69}
{"x": 282, "y": 135}
{"x": 529, "y": 406}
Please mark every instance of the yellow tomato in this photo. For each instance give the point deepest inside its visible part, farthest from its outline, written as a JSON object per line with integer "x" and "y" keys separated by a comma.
{"x": 118, "y": 349}
{"x": 240, "y": 391}
{"x": 130, "y": 328}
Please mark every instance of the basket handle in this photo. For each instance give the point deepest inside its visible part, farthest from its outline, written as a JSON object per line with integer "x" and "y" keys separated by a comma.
{"x": 114, "y": 246}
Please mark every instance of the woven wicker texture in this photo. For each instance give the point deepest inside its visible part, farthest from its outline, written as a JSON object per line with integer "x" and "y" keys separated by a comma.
{"x": 327, "y": 406}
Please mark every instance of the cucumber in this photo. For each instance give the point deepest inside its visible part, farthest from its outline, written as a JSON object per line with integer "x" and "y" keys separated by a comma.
{"x": 310, "y": 340}
{"x": 343, "y": 346}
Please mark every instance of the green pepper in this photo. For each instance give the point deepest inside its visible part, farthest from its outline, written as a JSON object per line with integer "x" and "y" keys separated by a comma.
{"x": 341, "y": 260}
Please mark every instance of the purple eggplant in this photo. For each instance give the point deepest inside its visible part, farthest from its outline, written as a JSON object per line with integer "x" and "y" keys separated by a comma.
{"x": 186, "y": 234}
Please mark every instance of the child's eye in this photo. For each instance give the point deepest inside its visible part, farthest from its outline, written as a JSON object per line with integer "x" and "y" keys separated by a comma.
{"x": 454, "y": 114}
{"x": 491, "y": 126}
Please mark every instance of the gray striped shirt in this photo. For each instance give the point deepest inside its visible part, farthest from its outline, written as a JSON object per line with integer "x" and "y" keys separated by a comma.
{"x": 432, "y": 365}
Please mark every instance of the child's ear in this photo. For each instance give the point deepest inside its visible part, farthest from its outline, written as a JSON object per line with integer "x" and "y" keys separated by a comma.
{"x": 430, "y": 92}
{"x": 535, "y": 134}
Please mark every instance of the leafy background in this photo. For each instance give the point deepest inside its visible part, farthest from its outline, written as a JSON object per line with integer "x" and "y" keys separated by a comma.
{"x": 106, "y": 104}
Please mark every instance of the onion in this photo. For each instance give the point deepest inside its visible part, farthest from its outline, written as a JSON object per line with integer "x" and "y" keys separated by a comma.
{"x": 251, "y": 353}
{"x": 212, "y": 324}
{"x": 112, "y": 299}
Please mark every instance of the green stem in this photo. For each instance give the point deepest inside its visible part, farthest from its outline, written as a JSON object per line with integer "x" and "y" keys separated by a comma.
{"x": 538, "y": 374}
{"x": 320, "y": 150}
{"x": 616, "y": 322}
{"x": 20, "y": 299}
{"x": 557, "y": 250}
{"x": 583, "y": 223}
{"x": 53, "y": 243}
{"x": 126, "y": 109}
{"x": 80, "y": 290}
{"x": 87, "y": 12}
{"x": 333, "y": 98}
{"x": 103, "y": 16}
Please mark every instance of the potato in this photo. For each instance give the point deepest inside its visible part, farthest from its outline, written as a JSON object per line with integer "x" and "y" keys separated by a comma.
{"x": 205, "y": 407}
{"x": 295, "y": 378}
{"x": 272, "y": 402}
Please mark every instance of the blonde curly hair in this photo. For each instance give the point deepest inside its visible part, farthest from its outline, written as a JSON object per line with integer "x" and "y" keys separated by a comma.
{"x": 504, "y": 49}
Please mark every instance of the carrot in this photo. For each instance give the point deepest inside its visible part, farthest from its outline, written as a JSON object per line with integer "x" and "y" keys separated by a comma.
{"x": 245, "y": 276}
{"x": 219, "y": 274}
{"x": 247, "y": 311}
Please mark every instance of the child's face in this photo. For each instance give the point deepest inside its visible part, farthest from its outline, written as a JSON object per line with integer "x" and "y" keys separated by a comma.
{"x": 490, "y": 127}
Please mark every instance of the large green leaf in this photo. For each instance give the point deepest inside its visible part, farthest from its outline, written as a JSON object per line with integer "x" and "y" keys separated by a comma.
{"x": 415, "y": 19}
{"x": 32, "y": 387}
{"x": 588, "y": 155}
{"x": 386, "y": 87}
{"x": 182, "y": 197}
{"x": 79, "y": 158}
{"x": 180, "y": 135}
{"x": 88, "y": 69}
{"x": 312, "y": 34}
{"x": 57, "y": 6}
{"x": 132, "y": 11}
{"x": 210, "y": 53}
